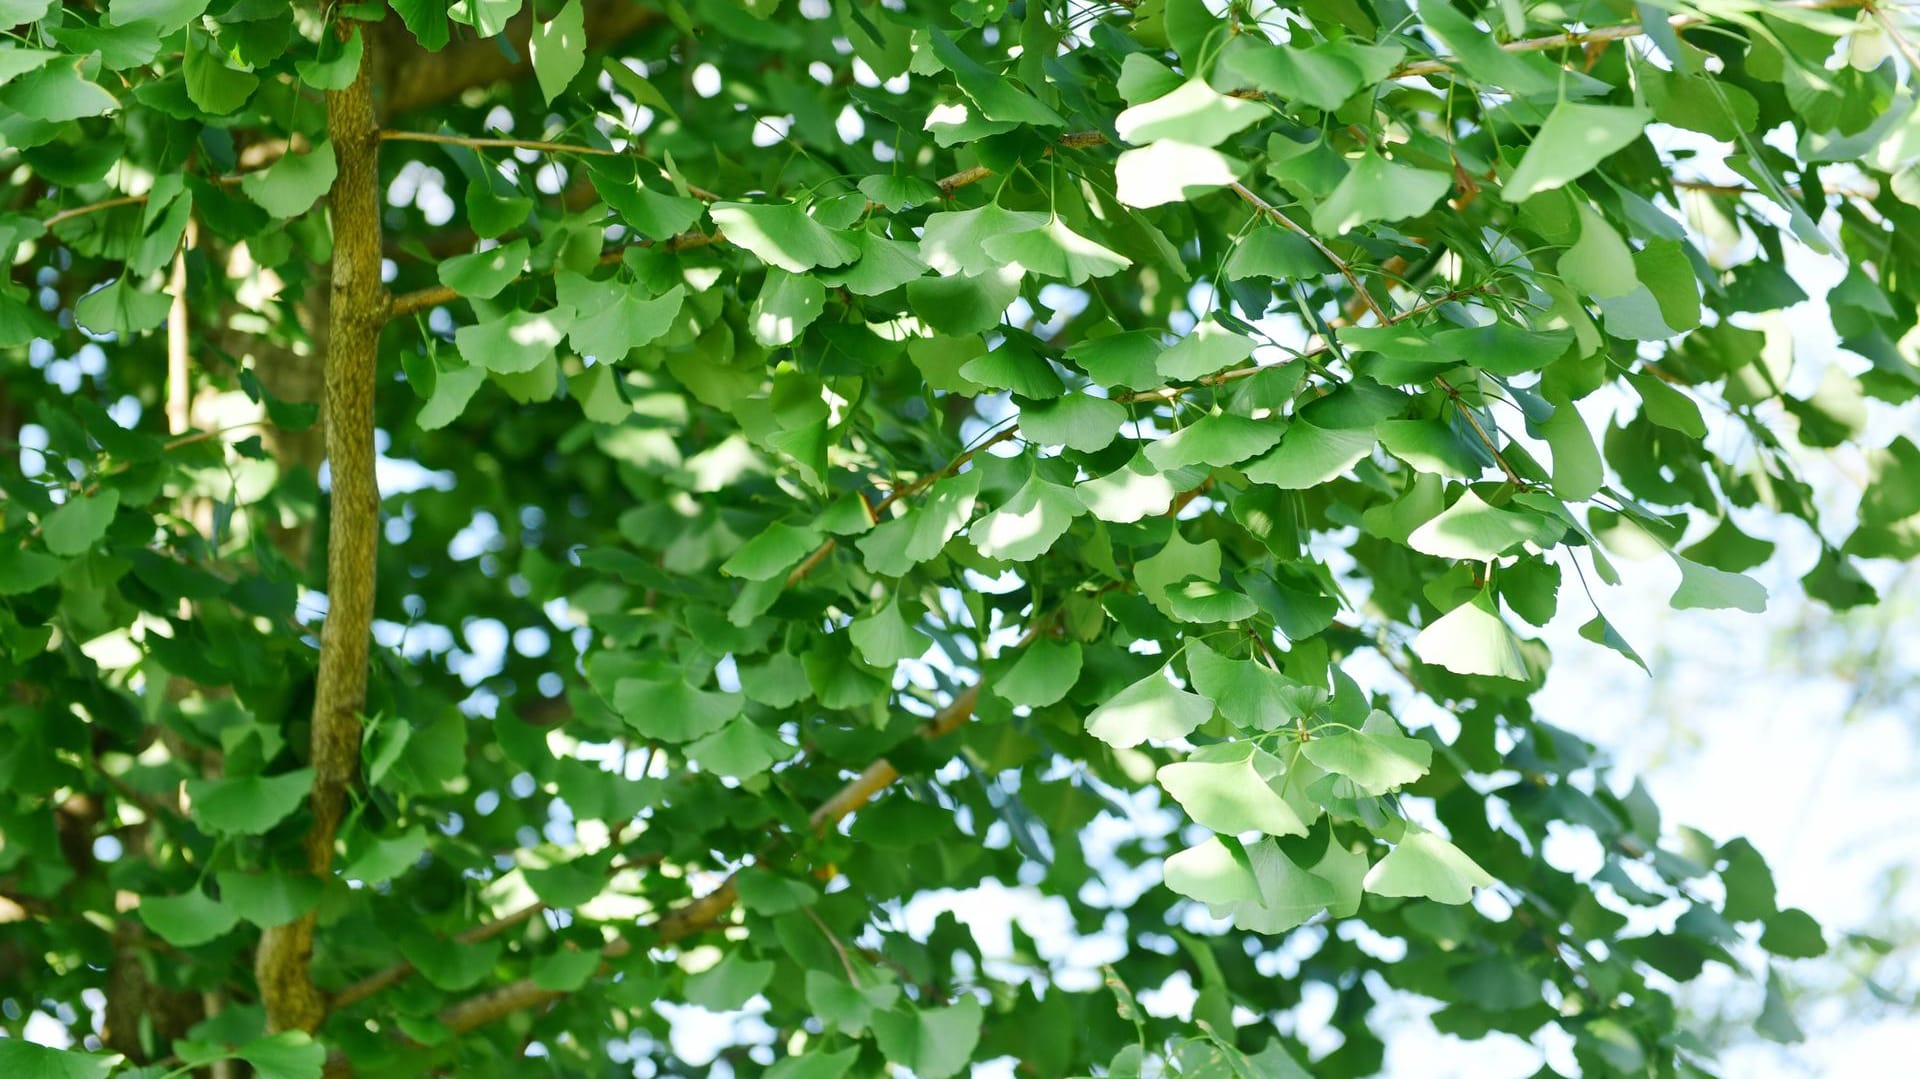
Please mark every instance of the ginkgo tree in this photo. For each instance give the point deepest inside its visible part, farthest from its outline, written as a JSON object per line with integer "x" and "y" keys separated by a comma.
{"x": 534, "y": 527}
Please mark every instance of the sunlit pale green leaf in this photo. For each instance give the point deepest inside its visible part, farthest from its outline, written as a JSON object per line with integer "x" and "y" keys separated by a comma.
{"x": 1148, "y": 710}
{"x": 1575, "y": 139}
{"x": 1425, "y": 865}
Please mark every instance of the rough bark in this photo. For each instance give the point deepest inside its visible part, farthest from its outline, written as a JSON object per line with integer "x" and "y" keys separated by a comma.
{"x": 356, "y": 311}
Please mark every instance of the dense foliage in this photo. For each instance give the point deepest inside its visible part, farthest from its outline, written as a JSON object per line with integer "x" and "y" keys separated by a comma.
{"x": 784, "y": 461}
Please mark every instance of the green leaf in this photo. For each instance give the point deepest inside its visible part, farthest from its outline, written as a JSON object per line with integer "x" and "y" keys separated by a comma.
{"x": 1575, "y": 139}
{"x": 1793, "y": 934}
{"x": 739, "y": 749}
{"x": 1578, "y": 472}
{"x": 482, "y": 274}
{"x": 1273, "y": 252}
{"x": 1015, "y": 366}
{"x": 1749, "y": 883}
{"x": 22, "y": 1059}
{"x": 15, "y": 62}
{"x": 783, "y": 235}
{"x": 1123, "y": 359}
{"x": 1249, "y": 694}
{"x": 566, "y": 970}
{"x": 453, "y": 387}
{"x": 53, "y": 91}
{"x": 1028, "y": 524}
{"x": 450, "y": 965}
{"x": 1232, "y": 791}
{"x": 961, "y": 306}
{"x": 25, "y": 571}
{"x": 1194, "y": 113}
{"x": 339, "y": 62}
{"x": 892, "y": 548}
{"x": 845, "y": 1007}
{"x": 120, "y": 308}
{"x": 896, "y": 193}
{"x": 1472, "y": 639}
{"x": 1376, "y": 760}
{"x": 1218, "y": 440}
{"x": 598, "y": 391}
{"x": 954, "y": 241}
{"x": 270, "y": 898}
{"x": 672, "y": 711}
{"x": 786, "y": 306}
{"x": 515, "y": 342}
{"x": 1309, "y": 456}
{"x": 1209, "y": 872}
{"x": 884, "y": 638}
{"x": 1321, "y": 77}
{"x": 883, "y": 265}
{"x": 998, "y": 98}
{"x": 1042, "y": 675}
{"x": 213, "y": 86}
{"x": 569, "y": 884}
{"x": 1054, "y": 250}
{"x": 160, "y": 17}
{"x": 1600, "y": 263}
{"x": 290, "y": 1054}
{"x": 1202, "y": 601}
{"x": 1286, "y": 894}
{"x": 1148, "y": 710}
{"x": 248, "y": 806}
{"x": 1471, "y": 530}
{"x": 1503, "y": 348}
{"x": 426, "y": 20}
{"x": 1209, "y": 348}
{"x": 611, "y": 319}
{"x": 79, "y": 522}
{"x": 559, "y": 49}
{"x": 290, "y": 186}
{"x": 1376, "y": 189}
{"x": 1669, "y": 407}
{"x": 935, "y": 1042}
{"x": 771, "y": 552}
{"x": 729, "y": 984}
{"x": 1169, "y": 171}
{"x": 384, "y": 858}
{"x": 1424, "y": 865}
{"x": 1078, "y": 421}
{"x": 1776, "y": 1022}
{"x": 1705, "y": 587}
{"x": 189, "y": 920}
{"x": 818, "y": 1064}
{"x": 1127, "y": 494}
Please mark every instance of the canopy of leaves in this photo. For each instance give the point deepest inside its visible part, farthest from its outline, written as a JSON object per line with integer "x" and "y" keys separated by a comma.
{"x": 832, "y": 452}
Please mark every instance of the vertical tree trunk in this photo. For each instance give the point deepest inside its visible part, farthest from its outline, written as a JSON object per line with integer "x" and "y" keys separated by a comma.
{"x": 357, "y": 310}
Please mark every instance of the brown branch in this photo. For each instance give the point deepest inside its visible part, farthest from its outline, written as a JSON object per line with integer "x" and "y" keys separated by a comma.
{"x": 93, "y": 207}
{"x": 706, "y": 912}
{"x": 538, "y": 145}
{"x": 1272, "y": 212}
{"x": 401, "y": 971}
{"x": 1575, "y": 39}
{"x": 414, "y": 78}
{"x": 1169, "y": 393}
{"x": 820, "y": 553}
{"x": 356, "y": 312}
{"x": 412, "y": 303}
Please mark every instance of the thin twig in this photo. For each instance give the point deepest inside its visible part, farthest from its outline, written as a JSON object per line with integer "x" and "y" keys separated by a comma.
{"x": 1574, "y": 39}
{"x": 1272, "y": 212}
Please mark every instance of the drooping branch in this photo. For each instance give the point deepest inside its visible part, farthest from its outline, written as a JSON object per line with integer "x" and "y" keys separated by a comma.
{"x": 356, "y": 312}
